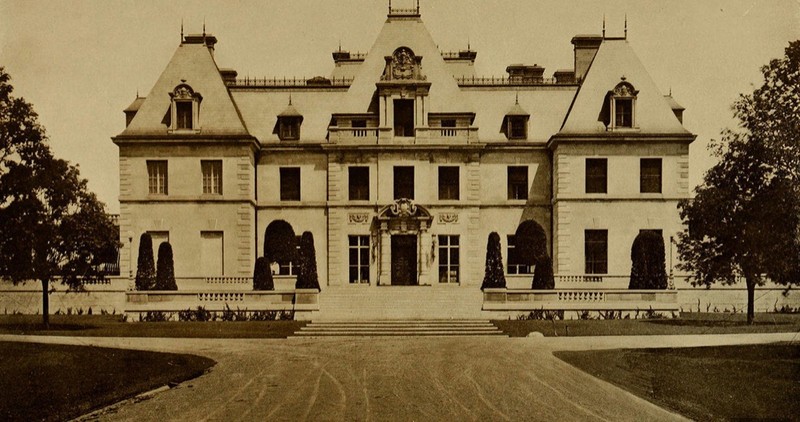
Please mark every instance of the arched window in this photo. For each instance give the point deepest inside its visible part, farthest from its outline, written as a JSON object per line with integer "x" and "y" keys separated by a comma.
{"x": 622, "y": 106}
{"x": 185, "y": 110}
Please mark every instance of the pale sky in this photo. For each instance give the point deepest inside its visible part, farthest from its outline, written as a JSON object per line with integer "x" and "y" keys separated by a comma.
{"x": 81, "y": 62}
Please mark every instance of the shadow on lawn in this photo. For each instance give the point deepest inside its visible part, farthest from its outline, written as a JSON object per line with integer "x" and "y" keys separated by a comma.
{"x": 678, "y": 322}
{"x": 23, "y": 328}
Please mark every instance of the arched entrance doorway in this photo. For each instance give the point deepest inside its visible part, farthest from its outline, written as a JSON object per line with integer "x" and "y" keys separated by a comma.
{"x": 405, "y": 246}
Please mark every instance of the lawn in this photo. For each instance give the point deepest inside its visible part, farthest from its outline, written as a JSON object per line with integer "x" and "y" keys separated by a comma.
{"x": 60, "y": 382}
{"x": 705, "y": 383}
{"x": 688, "y": 323}
{"x": 112, "y": 326}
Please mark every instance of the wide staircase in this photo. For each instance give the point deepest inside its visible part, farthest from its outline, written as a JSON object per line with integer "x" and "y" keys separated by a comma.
{"x": 399, "y": 311}
{"x": 408, "y": 328}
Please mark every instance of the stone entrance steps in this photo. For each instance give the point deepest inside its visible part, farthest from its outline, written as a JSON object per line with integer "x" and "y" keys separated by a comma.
{"x": 409, "y": 328}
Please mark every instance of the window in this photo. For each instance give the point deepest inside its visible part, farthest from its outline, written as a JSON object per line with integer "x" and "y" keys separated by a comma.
{"x": 650, "y": 175}
{"x": 183, "y": 112}
{"x": 359, "y": 259}
{"x": 596, "y": 251}
{"x": 517, "y": 127}
{"x": 290, "y": 184}
{"x": 596, "y": 175}
{"x": 403, "y": 117}
{"x": 289, "y": 128}
{"x": 212, "y": 176}
{"x": 157, "y": 176}
{"x": 518, "y": 182}
{"x": 358, "y": 183}
{"x": 448, "y": 259}
{"x": 448, "y": 183}
{"x": 403, "y": 182}
{"x": 623, "y": 112}
{"x": 514, "y": 264}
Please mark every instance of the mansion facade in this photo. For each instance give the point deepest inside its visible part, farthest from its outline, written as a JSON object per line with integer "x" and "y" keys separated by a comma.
{"x": 402, "y": 161}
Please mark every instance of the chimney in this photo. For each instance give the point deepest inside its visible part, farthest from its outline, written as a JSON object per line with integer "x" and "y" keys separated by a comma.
{"x": 518, "y": 73}
{"x": 208, "y": 39}
{"x": 228, "y": 76}
{"x": 585, "y": 48}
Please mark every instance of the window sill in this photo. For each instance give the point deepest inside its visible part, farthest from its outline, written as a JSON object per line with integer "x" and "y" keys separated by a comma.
{"x": 183, "y": 131}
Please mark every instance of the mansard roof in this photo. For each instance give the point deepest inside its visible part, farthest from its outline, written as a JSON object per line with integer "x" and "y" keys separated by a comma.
{"x": 192, "y": 65}
{"x": 614, "y": 61}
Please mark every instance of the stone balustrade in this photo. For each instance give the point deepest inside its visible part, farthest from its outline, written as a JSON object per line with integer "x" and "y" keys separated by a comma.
{"x": 579, "y": 299}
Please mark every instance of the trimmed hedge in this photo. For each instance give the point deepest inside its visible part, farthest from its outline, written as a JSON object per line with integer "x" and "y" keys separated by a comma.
{"x": 494, "y": 276}
{"x": 165, "y": 268}
{"x": 145, "y": 267}
{"x": 307, "y": 264}
{"x": 262, "y": 275}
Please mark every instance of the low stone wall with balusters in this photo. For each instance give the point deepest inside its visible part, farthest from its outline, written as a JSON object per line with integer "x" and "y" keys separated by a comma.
{"x": 303, "y": 303}
{"x": 106, "y": 296}
{"x": 500, "y": 303}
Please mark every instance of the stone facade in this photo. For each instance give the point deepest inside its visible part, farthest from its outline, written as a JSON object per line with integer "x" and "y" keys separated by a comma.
{"x": 405, "y": 162}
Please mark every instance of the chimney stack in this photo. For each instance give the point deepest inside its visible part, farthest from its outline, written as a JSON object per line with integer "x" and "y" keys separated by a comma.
{"x": 585, "y": 48}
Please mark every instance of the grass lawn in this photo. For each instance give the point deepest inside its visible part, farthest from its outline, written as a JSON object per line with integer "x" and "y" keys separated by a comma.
{"x": 112, "y": 326}
{"x": 688, "y": 323}
{"x": 60, "y": 382}
{"x": 705, "y": 383}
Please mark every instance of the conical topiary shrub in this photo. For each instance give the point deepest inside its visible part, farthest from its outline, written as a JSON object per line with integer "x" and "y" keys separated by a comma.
{"x": 165, "y": 268}
{"x": 307, "y": 264}
{"x": 262, "y": 276}
{"x": 493, "y": 276}
{"x": 648, "y": 264}
{"x": 145, "y": 267}
{"x": 543, "y": 278}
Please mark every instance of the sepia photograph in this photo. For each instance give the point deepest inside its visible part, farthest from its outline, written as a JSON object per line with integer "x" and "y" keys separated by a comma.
{"x": 399, "y": 210}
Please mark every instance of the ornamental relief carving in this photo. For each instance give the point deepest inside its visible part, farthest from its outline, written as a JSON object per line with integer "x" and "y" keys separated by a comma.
{"x": 358, "y": 218}
{"x": 448, "y": 217}
{"x": 403, "y": 63}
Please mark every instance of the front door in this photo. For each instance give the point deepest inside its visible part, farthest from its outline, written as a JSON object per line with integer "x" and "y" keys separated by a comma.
{"x": 404, "y": 260}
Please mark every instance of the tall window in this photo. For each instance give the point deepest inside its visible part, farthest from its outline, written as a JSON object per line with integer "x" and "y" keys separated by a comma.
{"x": 596, "y": 175}
{"x": 622, "y": 100}
{"x": 514, "y": 263}
{"x": 623, "y": 109}
{"x": 650, "y": 175}
{"x": 183, "y": 112}
{"x": 157, "y": 176}
{"x": 358, "y": 183}
{"x": 596, "y": 251}
{"x": 290, "y": 184}
{"x": 212, "y": 176}
{"x": 403, "y": 182}
{"x": 359, "y": 259}
{"x": 449, "y": 259}
{"x": 448, "y": 183}
{"x": 518, "y": 182}
{"x": 212, "y": 256}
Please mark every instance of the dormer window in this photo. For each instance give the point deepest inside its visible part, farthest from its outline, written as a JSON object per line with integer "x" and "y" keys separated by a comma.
{"x": 288, "y": 125}
{"x": 515, "y": 123}
{"x": 622, "y": 105}
{"x": 185, "y": 108}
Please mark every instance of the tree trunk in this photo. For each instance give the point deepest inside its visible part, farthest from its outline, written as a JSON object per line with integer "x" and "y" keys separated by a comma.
{"x": 46, "y": 304}
{"x": 751, "y": 296}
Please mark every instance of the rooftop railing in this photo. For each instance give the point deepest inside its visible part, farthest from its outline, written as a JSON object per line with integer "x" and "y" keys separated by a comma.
{"x": 289, "y": 82}
{"x": 506, "y": 81}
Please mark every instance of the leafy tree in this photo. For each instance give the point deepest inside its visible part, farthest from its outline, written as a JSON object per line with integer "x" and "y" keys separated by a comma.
{"x": 51, "y": 226}
{"x": 648, "y": 262}
{"x": 531, "y": 246}
{"x": 165, "y": 268}
{"x": 307, "y": 263}
{"x": 745, "y": 218}
{"x": 262, "y": 276}
{"x": 280, "y": 242}
{"x": 145, "y": 267}
{"x": 494, "y": 276}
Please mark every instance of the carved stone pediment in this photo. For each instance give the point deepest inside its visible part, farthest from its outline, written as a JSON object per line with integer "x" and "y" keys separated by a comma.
{"x": 403, "y": 65}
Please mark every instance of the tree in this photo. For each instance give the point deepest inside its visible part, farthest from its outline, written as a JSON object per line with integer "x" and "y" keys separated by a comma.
{"x": 145, "y": 267}
{"x": 165, "y": 268}
{"x": 494, "y": 277}
{"x": 648, "y": 262}
{"x": 280, "y": 242}
{"x": 531, "y": 246}
{"x": 307, "y": 263}
{"x": 51, "y": 226}
{"x": 262, "y": 276}
{"x": 744, "y": 220}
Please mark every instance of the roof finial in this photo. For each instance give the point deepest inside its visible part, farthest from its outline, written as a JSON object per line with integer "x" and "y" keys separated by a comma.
{"x": 390, "y": 7}
{"x": 418, "y": 7}
{"x": 181, "y": 30}
{"x": 340, "y": 45}
{"x": 290, "y": 98}
{"x": 469, "y": 47}
{"x": 670, "y": 91}
{"x": 204, "y": 30}
{"x": 604, "y": 25}
{"x": 626, "y": 26}
{"x": 516, "y": 98}
{"x": 137, "y": 92}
